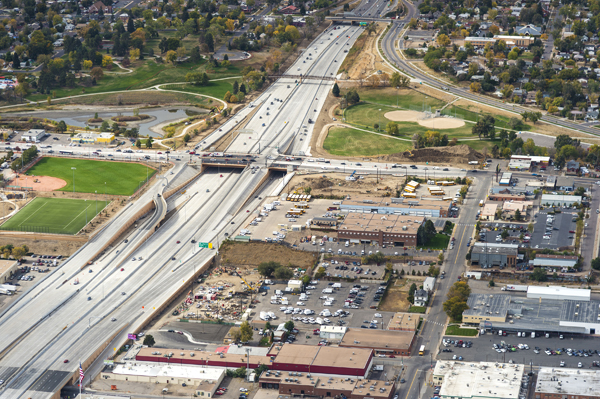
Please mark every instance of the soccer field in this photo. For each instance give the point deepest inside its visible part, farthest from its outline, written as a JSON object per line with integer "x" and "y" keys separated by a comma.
{"x": 53, "y": 215}
{"x": 118, "y": 178}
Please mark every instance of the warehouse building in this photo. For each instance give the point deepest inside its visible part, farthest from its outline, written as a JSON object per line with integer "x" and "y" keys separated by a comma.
{"x": 295, "y": 358}
{"x": 323, "y": 385}
{"x": 540, "y": 315}
{"x": 506, "y": 197}
{"x": 393, "y": 230}
{"x": 558, "y": 293}
{"x": 494, "y": 255}
{"x": 555, "y": 261}
{"x": 205, "y": 380}
{"x": 559, "y": 383}
{"x": 399, "y": 206}
{"x": 484, "y": 380}
{"x": 321, "y": 359}
{"x": 404, "y": 322}
{"x": 382, "y": 342}
{"x": 560, "y": 200}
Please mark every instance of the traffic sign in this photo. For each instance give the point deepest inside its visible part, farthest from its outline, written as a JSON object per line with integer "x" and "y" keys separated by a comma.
{"x": 203, "y": 245}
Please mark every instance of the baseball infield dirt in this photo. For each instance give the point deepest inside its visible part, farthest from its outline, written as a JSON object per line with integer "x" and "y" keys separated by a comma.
{"x": 39, "y": 183}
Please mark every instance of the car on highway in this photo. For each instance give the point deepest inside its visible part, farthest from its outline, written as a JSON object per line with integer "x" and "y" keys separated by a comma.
{"x": 113, "y": 319}
{"x": 66, "y": 361}
{"x": 122, "y": 269}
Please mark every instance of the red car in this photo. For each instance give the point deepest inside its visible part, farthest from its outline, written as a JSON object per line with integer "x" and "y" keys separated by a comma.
{"x": 178, "y": 242}
{"x": 122, "y": 269}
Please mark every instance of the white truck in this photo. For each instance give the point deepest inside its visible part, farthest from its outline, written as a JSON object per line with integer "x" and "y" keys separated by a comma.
{"x": 515, "y": 288}
{"x": 473, "y": 162}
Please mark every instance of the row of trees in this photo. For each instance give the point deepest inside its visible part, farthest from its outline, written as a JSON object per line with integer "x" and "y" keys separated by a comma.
{"x": 276, "y": 270}
{"x": 27, "y": 156}
{"x": 456, "y": 303}
{"x": 9, "y": 250}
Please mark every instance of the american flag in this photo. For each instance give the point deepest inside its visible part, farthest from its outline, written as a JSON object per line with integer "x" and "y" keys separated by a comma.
{"x": 81, "y": 374}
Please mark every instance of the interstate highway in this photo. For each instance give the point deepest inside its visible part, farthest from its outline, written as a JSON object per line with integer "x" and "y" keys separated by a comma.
{"x": 55, "y": 321}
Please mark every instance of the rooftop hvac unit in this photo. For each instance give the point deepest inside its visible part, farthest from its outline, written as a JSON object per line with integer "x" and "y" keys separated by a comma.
{"x": 371, "y": 389}
{"x": 192, "y": 354}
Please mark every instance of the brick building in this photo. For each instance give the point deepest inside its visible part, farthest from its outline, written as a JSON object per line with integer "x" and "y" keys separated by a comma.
{"x": 397, "y": 230}
{"x": 404, "y": 322}
{"x": 383, "y": 342}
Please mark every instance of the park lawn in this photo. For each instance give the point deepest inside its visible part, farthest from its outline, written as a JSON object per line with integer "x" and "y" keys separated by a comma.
{"x": 439, "y": 241}
{"x": 464, "y": 332}
{"x": 111, "y": 82}
{"x": 216, "y": 88}
{"x": 352, "y": 142}
{"x": 117, "y": 178}
{"x": 403, "y": 98}
{"x": 467, "y": 115}
{"x": 367, "y": 115}
{"x": 479, "y": 145}
{"x": 54, "y": 215}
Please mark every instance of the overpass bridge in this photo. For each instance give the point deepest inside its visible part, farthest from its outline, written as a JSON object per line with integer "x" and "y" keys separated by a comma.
{"x": 302, "y": 77}
{"x": 356, "y": 19}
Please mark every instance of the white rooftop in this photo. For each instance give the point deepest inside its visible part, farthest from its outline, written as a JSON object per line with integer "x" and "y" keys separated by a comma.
{"x": 568, "y": 381}
{"x": 583, "y": 294}
{"x": 334, "y": 329}
{"x": 479, "y": 380}
{"x": 169, "y": 370}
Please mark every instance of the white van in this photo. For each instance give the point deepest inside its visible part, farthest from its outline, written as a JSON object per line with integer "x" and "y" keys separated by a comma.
{"x": 347, "y": 243}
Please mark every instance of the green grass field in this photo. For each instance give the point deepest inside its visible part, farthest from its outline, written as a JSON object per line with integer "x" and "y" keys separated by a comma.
{"x": 54, "y": 215}
{"x": 465, "y": 332}
{"x": 117, "y": 178}
{"x": 390, "y": 96}
{"x": 439, "y": 241}
{"x": 351, "y": 142}
{"x": 216, "y": 88}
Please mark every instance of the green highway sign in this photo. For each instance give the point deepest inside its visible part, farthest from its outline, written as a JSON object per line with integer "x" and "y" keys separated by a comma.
{"x": 203, "y": 245}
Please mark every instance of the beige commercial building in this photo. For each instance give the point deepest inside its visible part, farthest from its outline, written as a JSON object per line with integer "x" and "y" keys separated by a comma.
{"x": 404, "y": 322}
{"x": 483, "y": 380}
{"x": 489, "y": 212}
{"x": 8, "y": 268}
{"x": 383, "y": 342}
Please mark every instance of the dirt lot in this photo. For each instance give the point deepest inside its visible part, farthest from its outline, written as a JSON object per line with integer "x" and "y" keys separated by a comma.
{"x": 336, "y": 184}
{"x": 459, "y": 154}
{"x": 51, "y": 247}
{"x": 395, "y": 300}
{"x": 6, "y": 207}
{"x": 252, "y": 254}
{"x": 363, "y": 59}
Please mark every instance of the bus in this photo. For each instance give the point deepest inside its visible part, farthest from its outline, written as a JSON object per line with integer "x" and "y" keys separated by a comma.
{"x": 409, "y": 195}
{"x": 409, "y": 189}
{"x": 481, "y": 203}
{"x": 66, "y": 152}
{"x": 422, "y": 350}
{"x": 437, "y": 193}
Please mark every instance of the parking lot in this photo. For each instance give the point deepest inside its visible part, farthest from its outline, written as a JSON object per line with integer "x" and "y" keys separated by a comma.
{"x": 483, "y": 350}
{"x": 561, "y": 231}
{"x": 359, "y": 312}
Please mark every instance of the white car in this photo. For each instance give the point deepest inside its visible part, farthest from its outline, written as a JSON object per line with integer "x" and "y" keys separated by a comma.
{"x": 299, "y": 303}
{"x": 378, "y": 315}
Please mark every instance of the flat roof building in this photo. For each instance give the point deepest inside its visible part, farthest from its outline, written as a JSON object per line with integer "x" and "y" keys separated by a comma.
{"x": 399, "y": 206}
{"x": 560, "y": 200}
{"x": 559, "y": 383}
{"x": 8, "y": 268}
{"x": 33, "y": 135}
{"x": 484, "y": 380}
{"x": 325, "y": 385}
{"x": 404, "y": 322}
{"x": 558, "y": 293}
{"x": 205, "y": 380}
{"x": 383, "y": 342}
{"x": 489, "y": 212}
{"x": 555, "y": 261}
{"x": 494, "y": 255}
{"x": 332, "y": 333}
{"x": 502, "y": 312}
{"x": 506, "y": 179}
{"x": 399, "y": 230}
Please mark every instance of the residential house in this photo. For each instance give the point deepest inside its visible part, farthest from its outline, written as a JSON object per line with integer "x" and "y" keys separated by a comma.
{"x": 572, "y": 167}
{"x": 97, "y": 6}
{"x": 289, "y": 10}
{"x": 421, "y": 298}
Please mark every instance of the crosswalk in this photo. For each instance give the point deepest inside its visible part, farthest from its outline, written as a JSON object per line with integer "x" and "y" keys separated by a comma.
{"x": 434, "y": 322}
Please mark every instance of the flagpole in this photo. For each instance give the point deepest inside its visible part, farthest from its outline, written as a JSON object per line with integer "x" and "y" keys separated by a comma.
{"x": 80, "y": 378}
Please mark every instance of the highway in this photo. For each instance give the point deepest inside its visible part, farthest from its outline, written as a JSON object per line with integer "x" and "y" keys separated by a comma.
{"x": 79, "y": 309}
